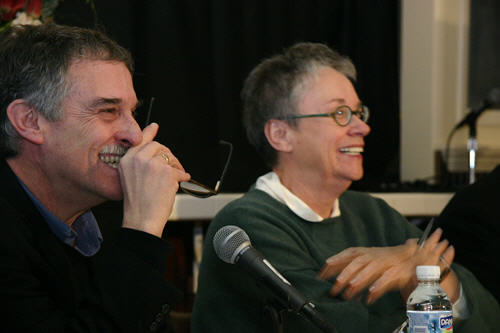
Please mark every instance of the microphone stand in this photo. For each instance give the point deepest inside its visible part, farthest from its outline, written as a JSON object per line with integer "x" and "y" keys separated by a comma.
{"x": 491, "y": 100}
{"x": 275, "y": 315}
{"x": 472, "y": 148}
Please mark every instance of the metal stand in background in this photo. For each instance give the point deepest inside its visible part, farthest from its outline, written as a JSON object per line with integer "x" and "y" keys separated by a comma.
{"x": 492, "y": 100}
{"x": 472, "y": 148}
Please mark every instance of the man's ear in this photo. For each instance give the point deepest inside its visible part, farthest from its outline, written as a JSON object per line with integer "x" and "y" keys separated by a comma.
{"x": 278, "y": 134}
{"x": 25, "y": 120}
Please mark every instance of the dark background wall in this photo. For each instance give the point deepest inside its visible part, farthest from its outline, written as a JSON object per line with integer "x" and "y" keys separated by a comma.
{"x": 484, "y": 55}
{"x": 193, "y": 56}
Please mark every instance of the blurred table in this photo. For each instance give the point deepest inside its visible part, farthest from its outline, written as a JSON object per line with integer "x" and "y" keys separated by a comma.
{"x": 418, "y": 204}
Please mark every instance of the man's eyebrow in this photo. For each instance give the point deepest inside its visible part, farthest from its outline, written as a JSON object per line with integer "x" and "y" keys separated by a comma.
{"x": 114, "y": 101}
{"x": 104, "y": 101}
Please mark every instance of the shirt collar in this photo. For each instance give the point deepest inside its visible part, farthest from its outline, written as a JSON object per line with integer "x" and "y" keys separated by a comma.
{"x": 271, "y": 184}
{"x": 85, "y": 236}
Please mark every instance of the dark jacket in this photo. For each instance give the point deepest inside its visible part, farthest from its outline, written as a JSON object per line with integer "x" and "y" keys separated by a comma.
{"x": 471, "y": 222}
{"x": 47, "y": 286}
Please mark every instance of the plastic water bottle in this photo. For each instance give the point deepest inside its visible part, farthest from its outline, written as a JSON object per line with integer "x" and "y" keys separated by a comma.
{"x": 429, "y": 308}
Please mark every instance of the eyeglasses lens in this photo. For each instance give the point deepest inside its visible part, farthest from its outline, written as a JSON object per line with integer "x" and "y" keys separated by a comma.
{"x": 342, "y": 115}
{"x": 365, "y": 113}
{"x": 196, "y": 189}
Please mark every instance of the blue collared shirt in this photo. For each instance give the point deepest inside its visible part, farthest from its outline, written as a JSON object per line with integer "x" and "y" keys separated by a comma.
{"x": 85, "y": 235}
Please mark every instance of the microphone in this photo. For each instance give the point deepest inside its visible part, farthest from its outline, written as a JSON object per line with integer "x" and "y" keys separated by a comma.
{"x": 232, "y": 245}
{"x": 491, "y": 100}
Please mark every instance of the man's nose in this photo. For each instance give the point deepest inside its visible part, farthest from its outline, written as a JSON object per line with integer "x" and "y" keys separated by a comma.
{"x": 129, "y": 132}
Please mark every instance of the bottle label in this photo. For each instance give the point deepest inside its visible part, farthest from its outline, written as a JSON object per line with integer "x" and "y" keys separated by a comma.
{"x": 430, "y": 321}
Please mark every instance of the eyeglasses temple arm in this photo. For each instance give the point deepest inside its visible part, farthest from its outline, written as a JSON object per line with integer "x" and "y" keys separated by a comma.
{"x": 148, "y": 116}
{"x": 309, "y": 115}
{"x": 219, "y": 182}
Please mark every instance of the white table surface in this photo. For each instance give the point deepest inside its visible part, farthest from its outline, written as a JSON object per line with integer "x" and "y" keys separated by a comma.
{"x": 188, "y": 208}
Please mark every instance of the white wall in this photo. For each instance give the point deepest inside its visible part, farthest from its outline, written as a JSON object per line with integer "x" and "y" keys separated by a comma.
{"x": 434, "y": 62}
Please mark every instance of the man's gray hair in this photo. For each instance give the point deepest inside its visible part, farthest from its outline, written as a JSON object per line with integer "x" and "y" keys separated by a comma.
{"x": 34, "y": 61}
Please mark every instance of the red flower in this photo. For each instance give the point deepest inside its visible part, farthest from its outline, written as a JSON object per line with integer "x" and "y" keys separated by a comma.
{"x": 9, "y": 8}
{"x": 33, "y": 8}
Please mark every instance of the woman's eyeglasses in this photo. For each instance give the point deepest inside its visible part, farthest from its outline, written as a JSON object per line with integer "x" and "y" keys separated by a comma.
{"x": 342, "y": 115}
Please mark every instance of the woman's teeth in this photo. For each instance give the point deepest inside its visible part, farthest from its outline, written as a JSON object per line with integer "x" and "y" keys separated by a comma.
{"x": 352, "y": 150}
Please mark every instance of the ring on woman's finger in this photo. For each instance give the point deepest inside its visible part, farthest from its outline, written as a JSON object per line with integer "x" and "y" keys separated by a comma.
{"x": 165, "y": 157}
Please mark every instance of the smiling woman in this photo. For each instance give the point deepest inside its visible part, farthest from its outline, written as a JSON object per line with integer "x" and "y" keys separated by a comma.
{"x": 323, "y": 238}
{"x": 321, "y": 150}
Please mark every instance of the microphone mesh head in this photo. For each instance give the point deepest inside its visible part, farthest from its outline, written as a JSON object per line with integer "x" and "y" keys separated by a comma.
{"x": 229, "y": 241}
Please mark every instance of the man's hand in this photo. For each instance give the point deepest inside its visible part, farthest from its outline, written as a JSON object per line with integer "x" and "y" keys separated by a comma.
{"x": 149, "y": 183}
{"x": 382, "y": 269}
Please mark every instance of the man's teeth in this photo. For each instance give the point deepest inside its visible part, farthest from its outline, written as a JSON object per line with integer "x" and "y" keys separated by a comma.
{"x": 112, "y": 160}
{"x": 112, "y": 155}
{"x": 352, "y": 150}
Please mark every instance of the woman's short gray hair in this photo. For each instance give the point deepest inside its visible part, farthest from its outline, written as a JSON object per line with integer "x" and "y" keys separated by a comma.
{"x": 272, "y": 89}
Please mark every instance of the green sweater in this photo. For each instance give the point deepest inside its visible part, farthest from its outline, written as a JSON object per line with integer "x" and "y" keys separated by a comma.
{"x": 231, "y": 300}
